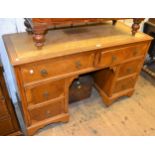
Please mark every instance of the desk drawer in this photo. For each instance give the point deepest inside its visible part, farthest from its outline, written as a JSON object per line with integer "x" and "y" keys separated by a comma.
{"x": 125, "y": 84}
{"x": 56, "y": 67}
{"x": 130, "y": 67}
{"x": 46, "y": 111}
{"x": 45, "y": 92}
{"x": 117, "y": 56}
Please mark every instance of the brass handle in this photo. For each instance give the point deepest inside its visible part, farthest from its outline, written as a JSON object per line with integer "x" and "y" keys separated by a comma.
{"x": 43, "y": 72}
{"x": 78, "y": 64}
{"x": 113, "y": 58}
{"x": 135, "y": 52}
{"x": 45, "y": 94}
{"x": 129, "y": 70}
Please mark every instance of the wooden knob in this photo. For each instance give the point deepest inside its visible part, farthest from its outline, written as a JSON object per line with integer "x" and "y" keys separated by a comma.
{"x": 43, "y": 72}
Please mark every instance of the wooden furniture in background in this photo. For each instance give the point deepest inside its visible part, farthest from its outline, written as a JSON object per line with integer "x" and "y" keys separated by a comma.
{"x": 149, "y": 28}
{"x": 8, "y": 120}
{"x": 39, "y": 26}
{"x": 44, "y": 76}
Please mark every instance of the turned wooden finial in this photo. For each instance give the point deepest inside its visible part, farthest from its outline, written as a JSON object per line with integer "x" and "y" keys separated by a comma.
{"x": 136, "y": 25}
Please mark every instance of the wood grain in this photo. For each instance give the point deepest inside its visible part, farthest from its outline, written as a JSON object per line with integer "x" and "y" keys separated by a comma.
{"x": 132, "y": 116}
{"x": 66, "y": 42}
{"x": 44, "y": 76}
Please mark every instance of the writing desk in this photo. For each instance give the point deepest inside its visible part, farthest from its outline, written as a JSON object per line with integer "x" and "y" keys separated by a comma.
{"x": 44, "y": 76}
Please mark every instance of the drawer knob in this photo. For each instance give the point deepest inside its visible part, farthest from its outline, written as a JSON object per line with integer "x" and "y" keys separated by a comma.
{"x": 129, "y": 70}
{"x": 113, "y": 58}
{"x": 46, "y": 95}
{"x": 78, "y": 64}
{"x": 43, "y": 72}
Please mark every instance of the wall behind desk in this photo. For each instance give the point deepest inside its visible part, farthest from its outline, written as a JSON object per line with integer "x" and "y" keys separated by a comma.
{"x": 9, "y": 25}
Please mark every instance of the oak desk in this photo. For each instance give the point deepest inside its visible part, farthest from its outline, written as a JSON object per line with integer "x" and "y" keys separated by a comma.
{"x": 44, "y": 76}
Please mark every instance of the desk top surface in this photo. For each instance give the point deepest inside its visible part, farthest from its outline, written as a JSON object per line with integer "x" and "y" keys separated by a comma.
{"x": 21, "y": 48}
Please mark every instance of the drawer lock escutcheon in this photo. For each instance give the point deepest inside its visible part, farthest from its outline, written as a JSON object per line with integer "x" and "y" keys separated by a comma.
{"x": 78, "y": 64}
{"x": 114, "y": 58}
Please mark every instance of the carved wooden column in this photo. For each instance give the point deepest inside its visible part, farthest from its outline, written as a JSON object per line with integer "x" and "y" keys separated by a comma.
{"x": 136, "y": 25}
{"x": 39, "y": 34}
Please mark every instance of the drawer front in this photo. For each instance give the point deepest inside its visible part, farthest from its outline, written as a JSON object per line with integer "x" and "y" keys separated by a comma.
{"x": 3, "y": 108}
{"x": 124, "y": 84}
{"x": 56, "y": 67}
{"x": 46, "y": 111}
{"x": 130, "y": 68}
{"x": 6, "y": 126}
{"x": 117, "y": 56}
{"x": 45, "y": 92}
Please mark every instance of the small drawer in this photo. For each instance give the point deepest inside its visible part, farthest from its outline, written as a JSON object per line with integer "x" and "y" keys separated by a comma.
{"x": 6, "y": 126}
{"x": 117, "y": 56}
{"x": 45, "y": 92}
{"x": 110, "y": 58}
{"x": 56, "y": 67}
{"x": 135, "y": 51}
{"x": 130, "y": 68}
{"x": 3, "y": 108}
{"x": 124, "y": 84}
{"x": 46, "y": 111}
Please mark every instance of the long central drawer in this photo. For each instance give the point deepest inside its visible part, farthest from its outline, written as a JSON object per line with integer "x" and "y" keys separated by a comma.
{"x": 56, "y": 67}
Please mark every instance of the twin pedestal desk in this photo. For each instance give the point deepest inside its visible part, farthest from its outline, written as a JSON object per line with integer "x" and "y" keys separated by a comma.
{"x": 44, "y": 76}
